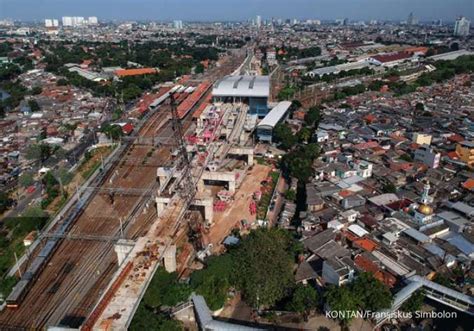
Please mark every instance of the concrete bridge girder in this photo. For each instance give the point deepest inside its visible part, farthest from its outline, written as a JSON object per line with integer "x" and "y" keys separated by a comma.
{"x": 207, "y": 203}
{"x": 243, "y": 151}
{"x": 219, "y": 176}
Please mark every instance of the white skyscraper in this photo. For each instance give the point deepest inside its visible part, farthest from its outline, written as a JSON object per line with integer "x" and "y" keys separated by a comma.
{"x": 92, "y": 20}
{"x": 78, "y": 21}
{"x": 178, "y": 24}
{"x": 462, "y": 26}
{"x": 259, "y": 21}
{"x": 48, "y": 23}
{"x": 67, "y": 21}
{"x": 55, "y": 23}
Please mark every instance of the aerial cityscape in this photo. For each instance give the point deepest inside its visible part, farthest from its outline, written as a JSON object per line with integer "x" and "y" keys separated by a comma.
{"x": 240, "y": 165}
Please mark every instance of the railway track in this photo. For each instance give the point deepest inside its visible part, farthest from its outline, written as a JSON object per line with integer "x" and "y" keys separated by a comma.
{"x": 93, "y": 263}
{"x": 66, "y": 298}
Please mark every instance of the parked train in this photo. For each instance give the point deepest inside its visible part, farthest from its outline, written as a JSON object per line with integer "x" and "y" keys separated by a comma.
{"x": 34, "y": 269}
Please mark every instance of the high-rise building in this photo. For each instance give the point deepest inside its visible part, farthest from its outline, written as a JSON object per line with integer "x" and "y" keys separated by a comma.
{"x": 75, "y": 21}
{"x": 55, "y": 23}
{"x": 67, "y": 21}
{"x": 48, "y": 23}
{"x": 92, "y": 20}
{"x": 78, "y": 21}
{"x": 178, "y": 24}
{"x": 258, "y": 21}
{"x": 412, "y": 20}
{"x": 461, "y": 27}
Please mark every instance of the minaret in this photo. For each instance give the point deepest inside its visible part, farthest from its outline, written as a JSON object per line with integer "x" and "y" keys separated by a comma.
{"x": 425, "y": 196}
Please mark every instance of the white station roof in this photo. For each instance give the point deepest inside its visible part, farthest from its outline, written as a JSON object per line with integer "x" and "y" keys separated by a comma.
{"x": 275, "y": 115}
{"x": 242, "y": 86}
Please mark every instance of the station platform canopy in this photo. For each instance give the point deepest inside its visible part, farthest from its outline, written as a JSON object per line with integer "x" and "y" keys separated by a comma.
{"x": 275, "y": 115}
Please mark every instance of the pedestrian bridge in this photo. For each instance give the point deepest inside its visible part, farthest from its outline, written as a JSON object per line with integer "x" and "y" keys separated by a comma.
{"x": 432, "y": 290}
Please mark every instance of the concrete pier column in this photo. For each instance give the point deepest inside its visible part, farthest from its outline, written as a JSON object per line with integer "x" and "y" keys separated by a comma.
{"x": 161, "y": 204}
{"x": 200, "y": 186}
{"x": 250, "y": 159}
{"x": 122, "y": 248}
{"x": 232, "y": 186}
{"x": 170, "y": 259}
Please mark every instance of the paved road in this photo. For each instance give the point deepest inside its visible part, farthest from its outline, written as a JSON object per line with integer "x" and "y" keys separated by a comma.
{"x": 23, "y": 203}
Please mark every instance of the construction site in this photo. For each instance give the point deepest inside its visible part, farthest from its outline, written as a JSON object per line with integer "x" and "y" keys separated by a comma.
{"x": 170, "y": 192}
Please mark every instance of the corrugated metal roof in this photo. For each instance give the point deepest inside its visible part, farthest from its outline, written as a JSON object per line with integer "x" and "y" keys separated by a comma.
{"x": 417, "y": 235}
{"x": 242, "y": 86}
{"x": 275, "y": 115}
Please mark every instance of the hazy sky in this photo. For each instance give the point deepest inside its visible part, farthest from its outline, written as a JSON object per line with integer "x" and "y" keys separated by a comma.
{"x": 236, "y": 9}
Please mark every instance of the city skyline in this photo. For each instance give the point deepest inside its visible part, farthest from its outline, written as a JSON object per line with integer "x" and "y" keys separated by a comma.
{"x": 234, "y": 10}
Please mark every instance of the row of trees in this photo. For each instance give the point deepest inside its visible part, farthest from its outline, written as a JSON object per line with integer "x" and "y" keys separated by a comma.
{"x": 301, "y": 148}
{"x": 261, "y": 268}
{"x": 286, "y": 53}
{"x": 444, "y": 70}
{"x": 173, "y": 59}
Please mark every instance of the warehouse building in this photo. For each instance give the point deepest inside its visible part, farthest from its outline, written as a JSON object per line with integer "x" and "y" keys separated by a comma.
{"x": 251, "y": 90}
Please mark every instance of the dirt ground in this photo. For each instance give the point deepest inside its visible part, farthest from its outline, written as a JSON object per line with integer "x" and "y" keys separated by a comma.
{"x": 238, "y": 209}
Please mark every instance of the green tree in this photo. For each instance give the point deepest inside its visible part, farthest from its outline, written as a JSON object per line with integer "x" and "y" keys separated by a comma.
{"x": 298, "y": 163}
{"x": 406, "y": 157}
{"x": 38, "y": 152}
{"x": 164, "y": 290}
{"x": 147, "y": 319}
{"x": 414, "y": 303}
{"x": 51, "y": 185}
{"x": 284, "y": 136}
{"x": 443, "y": 280}
{"x": 62, "y": 82}
{"x": 33, "y": 218}
{"x": 290, "y": 195}
{"x": 64, "y": 176}
{"x": 303, "y": 299}
{"x": 296, "y": 104}
{"x": 420, "y": 106}
{"x": 5, "y": 202}
{"x": 389, "y": 188}
{"x": 304, "y": 135}
{"x": 36, "y": 90}
{"x": 34, "y": 106}
{"x": 313, "y": 116}
{"x": 341, "y": 298}
{"x": 214, "y": 281}
{"x": 199, "y": 68}
{"x": 113, "y": 132}
{"x": 26, "y": 179}
{"x": 371, "y": 294}
{"x": 263, "y": 266}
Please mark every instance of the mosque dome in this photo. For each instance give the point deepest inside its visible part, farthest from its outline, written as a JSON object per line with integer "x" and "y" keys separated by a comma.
{"x": 425, "y": 209}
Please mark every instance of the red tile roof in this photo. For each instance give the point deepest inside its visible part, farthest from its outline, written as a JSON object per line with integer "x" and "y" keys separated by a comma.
{"x": 387, "y": 58}
{"x": 202, "y": 106}
{"x": 469, "y": 184}
{"x": 367, "y": 145}
{"x": 366, "y": 244}
{"x": 453, "y": 155}
{"x": 192, "y": 99}
{"x": 135, "y": 72}
{"x": 456, "y": 138}
{"x": 368, "y": 266}
{"x": 127, "y": 128}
